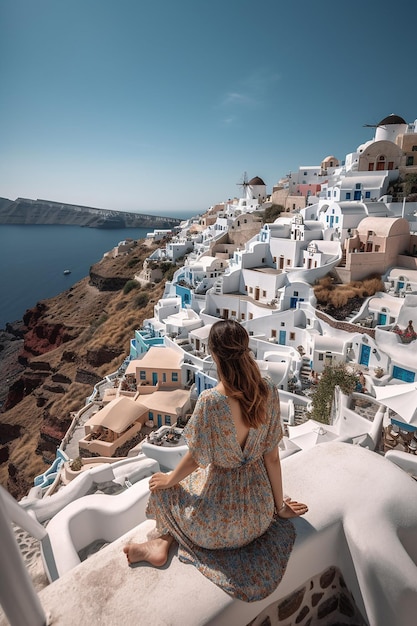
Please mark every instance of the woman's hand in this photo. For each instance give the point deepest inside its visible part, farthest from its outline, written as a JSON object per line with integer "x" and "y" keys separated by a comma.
{"x": 160, "y": 481}
{"x": 292, "y": 508}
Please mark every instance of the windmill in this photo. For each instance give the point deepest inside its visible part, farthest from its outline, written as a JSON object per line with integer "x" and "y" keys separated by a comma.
{"x": 244, "y": 183}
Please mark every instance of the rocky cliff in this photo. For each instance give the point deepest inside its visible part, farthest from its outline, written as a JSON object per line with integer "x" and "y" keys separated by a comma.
{"x": 26, "y": 211}
{"x": 50, "y": 361}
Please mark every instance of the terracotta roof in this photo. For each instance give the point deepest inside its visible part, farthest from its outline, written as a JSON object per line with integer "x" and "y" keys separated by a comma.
{"x": 118, "y": 414}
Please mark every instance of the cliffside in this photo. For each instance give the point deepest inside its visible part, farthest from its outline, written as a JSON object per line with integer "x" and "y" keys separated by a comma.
{"x": 26, "y": 211}
{"x": 51, "y": 360}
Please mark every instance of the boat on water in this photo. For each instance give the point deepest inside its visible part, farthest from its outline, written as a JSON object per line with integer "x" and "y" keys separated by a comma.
{"x": 66, "y": 272}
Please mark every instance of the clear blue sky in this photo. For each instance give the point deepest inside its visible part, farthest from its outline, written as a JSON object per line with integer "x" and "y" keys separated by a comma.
{"x": 160, "y": 106}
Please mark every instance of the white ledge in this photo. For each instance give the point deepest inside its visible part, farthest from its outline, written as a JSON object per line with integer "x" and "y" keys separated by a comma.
{"x": 362, "y": 519}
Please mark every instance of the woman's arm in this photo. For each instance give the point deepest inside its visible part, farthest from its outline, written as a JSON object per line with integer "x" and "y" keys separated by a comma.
{"x": 285, "y": 508}
{"x": 273, "y": 469}
{"x": 183, "y": 469}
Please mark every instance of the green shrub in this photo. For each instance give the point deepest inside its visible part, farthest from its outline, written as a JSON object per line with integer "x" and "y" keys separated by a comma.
{"x": 142, "y": 300}
{"x": 271, "y": 213}
{"x": 131, "y": 284}
{"x": 337, "y": 374}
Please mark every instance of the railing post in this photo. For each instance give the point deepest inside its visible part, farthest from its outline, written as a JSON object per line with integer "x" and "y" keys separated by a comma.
{"x": 18, "y": 597}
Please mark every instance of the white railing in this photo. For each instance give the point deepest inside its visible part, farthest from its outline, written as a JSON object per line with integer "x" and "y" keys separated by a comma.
{"x": 18, "y": 598}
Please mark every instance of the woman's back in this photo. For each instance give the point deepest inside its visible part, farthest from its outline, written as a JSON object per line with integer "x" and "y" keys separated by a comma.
{"x": 242, "y": 430}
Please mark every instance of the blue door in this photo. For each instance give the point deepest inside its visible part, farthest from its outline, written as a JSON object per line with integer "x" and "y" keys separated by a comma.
{"x": 282, "y": 337}
{"x": 403, "y": 374}
{"x": 365, "y": 352}
{"x": 382, "y": 319}
{"x": 154, "y": 378}
{"x": 159, "y": 420}
{"x": 357, "y": 195}
{"x": 293, "y": 303}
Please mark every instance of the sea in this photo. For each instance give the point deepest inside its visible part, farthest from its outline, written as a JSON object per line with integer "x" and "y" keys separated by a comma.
{"x": 33, "y": 259}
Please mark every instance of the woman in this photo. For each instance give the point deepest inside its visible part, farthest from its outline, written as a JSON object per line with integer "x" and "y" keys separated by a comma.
{"x": 222, "y": 502}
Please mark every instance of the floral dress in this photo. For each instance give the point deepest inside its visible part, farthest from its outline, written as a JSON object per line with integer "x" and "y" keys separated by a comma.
{"x": 221, "y": 515}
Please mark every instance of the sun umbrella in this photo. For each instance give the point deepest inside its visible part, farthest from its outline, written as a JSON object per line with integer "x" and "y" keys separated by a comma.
{"x": 400, "y": 398}
{"x": 311, "y": 433}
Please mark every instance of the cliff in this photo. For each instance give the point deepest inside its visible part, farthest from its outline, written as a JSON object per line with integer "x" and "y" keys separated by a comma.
{"x": 53, "y": 357}
{"x": 26, "y": 211}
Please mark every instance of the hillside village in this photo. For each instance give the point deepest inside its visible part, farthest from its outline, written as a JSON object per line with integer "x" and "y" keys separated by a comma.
{"x": 341, "y": 222}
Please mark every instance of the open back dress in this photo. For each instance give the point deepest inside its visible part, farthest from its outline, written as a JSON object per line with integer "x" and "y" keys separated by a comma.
{"x": 222, "y": 514}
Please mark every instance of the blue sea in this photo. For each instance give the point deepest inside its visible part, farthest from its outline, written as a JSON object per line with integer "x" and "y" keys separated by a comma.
{"x": 33, "y": 260}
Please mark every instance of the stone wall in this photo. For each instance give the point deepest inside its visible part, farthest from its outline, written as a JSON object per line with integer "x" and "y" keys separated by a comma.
{"x": 322, "y": 601}
{"x": 346, "y": 326}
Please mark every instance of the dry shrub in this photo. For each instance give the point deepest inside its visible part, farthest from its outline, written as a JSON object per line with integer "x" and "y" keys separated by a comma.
{"x": 326, "y": 281}
{"x": 339, "y": 298}
{"x": 322, "y": 294}
{"x": 338, "y": 295}
{"x": 373, "y": 284}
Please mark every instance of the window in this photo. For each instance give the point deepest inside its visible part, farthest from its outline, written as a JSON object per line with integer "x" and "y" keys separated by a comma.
{"x": 142, "y": 375}
{"x": 348, "y": 195}
{"x": 371, "y": 167}
{"x": 292, "y": 336}
{"x": 263, "y": 293}
{"x": 233, "y": 313}
{"x": 273, "y": 332}
{"x": 288, "y": 261}
{"x": 358, "y": 186}
{"x": 242, "y": 316}
{"x": 282, "y": 323}
{"x": 164, "y": 377}
{"x": 410, "y": 160}
{"x": 295, "y": 293}
{"x": 367, "y": 194}
{"x": 174, "y": 377}
{"x": 250, "y": 289}
{"x": 168, "y": 420}
{"x": 321, "y": 357}
{"x": 150, "y": 415}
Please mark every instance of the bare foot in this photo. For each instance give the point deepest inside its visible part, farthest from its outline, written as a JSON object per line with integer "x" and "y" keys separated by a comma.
{"x": 154, "y": 551}
{"x": 293, "y": 509}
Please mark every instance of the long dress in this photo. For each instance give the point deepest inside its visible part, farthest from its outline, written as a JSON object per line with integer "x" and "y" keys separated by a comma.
{"x": 222, "y": 514}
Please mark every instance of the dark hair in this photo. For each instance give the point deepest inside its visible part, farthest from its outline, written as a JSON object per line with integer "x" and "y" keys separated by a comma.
{"x": 228, "y": 342}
